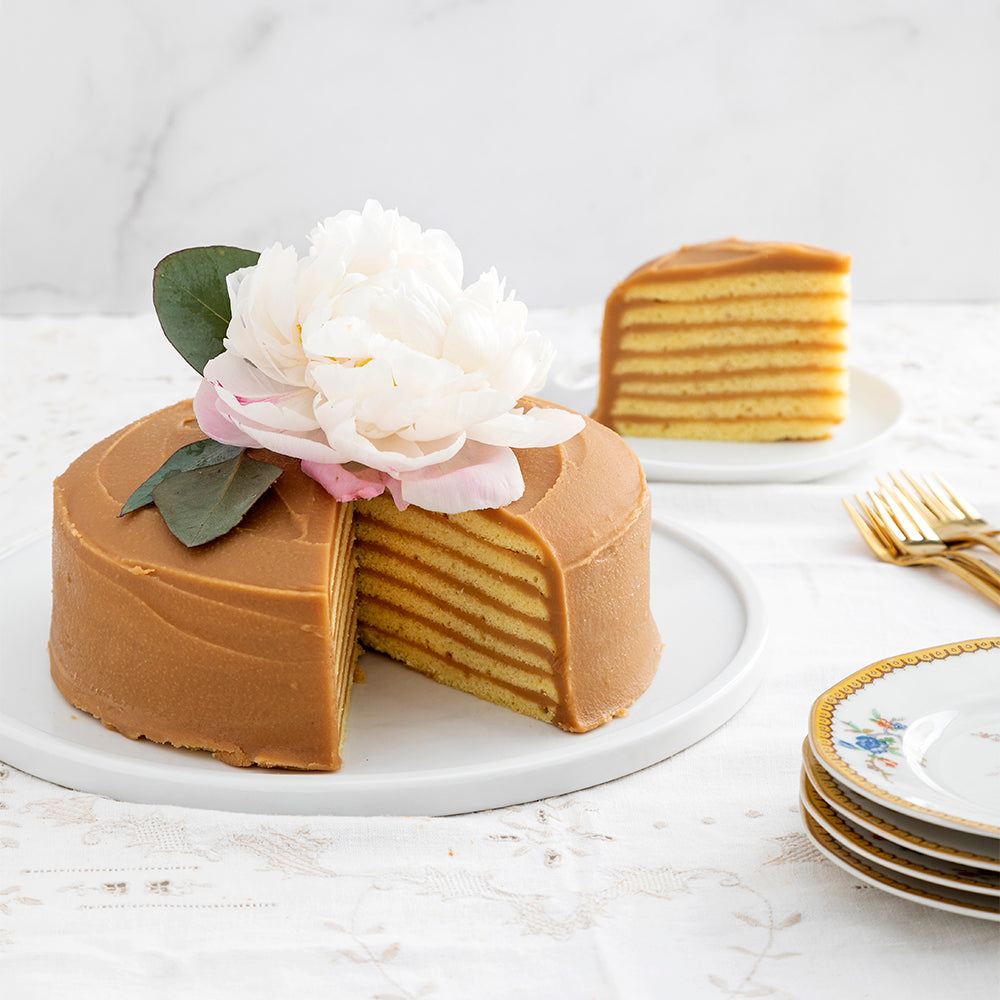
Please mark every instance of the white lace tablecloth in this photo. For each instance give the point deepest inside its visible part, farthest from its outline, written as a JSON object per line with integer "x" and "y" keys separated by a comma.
{"x": 692, "y": 878}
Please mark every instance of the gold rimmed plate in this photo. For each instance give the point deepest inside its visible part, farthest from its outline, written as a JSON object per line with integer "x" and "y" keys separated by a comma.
{"x": 919, "y": 733}
{"x": 959, "y": 901}
{"x": 925, "y": 838}
{"x": 874, "y": 849}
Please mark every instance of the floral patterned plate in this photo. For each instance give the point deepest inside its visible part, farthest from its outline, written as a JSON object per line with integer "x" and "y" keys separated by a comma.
{"x": 919, "y": 733}
{"x": 940, "y": 897}
{"x": 873, "y": 848}
{"x": 925, "y": 838}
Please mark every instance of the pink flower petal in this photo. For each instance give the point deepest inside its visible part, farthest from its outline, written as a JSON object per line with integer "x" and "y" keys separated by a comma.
{"x": 343, "y": 484}
{"x": 213, "y": 420}
{"x": 479, "y": 477}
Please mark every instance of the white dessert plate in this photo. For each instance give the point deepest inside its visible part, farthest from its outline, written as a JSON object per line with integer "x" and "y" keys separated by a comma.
{"x": 919, "y": 733}
{"x": 413, "y": 747}
{"x": 963, "y": 848}
{"x": 968, "y": 904}
{"x": 871, "y": 847}
{"x": 875, "y": 410}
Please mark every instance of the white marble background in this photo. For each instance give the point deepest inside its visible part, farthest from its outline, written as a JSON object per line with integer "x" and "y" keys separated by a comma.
{"x": 564, "y": 143}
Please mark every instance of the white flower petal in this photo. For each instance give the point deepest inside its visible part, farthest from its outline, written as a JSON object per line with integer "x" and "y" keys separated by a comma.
{"x": 540, "y": 427}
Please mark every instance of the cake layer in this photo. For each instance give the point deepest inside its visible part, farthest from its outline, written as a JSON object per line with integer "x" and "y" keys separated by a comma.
{"x": 707, "y": 337}
{"x": 812, "y": 406}
{"x": 769, "y": 309}
{"x": 742, "y": 429}
{"x": 734, "y": 383}
{"x": 742, "y": 359}
{"x": 654, "y": 287}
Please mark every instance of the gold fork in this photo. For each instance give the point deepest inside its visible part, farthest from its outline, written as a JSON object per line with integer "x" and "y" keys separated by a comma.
{"x": 951, "y": 516}
{"x": 886, "y": 539}
{"x": 919, "y": 536}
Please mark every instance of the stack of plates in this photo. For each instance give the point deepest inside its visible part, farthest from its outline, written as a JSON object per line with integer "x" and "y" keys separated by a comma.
{"x": 901, "y": 776}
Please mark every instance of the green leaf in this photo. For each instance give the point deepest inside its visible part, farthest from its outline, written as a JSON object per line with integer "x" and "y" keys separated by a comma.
{"x": 196, "y": 455}
{"x": 203, "y": 504}
{"x": 192, "y": 301}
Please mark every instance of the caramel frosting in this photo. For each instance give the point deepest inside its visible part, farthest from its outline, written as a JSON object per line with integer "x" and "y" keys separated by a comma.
{"x": 245, "y": 646}
{"x": 588, "y": 499}
{"x": 736, "y": 256}
{"x": 227, "y": 646}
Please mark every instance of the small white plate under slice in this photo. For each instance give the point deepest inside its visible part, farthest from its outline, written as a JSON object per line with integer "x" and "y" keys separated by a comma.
{"x": 920, "y": 733}
{"x": 875, "y": 410}
{"x": 413, "y": 747}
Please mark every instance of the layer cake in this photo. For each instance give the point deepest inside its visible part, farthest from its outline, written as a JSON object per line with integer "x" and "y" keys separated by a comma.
{"x": 730, "y": 340}
{"x": 247, "y": 647}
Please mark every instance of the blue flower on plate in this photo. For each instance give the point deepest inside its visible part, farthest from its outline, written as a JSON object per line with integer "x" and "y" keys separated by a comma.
{"x": 869, "y": 743}
{"x": 878, "y": 741}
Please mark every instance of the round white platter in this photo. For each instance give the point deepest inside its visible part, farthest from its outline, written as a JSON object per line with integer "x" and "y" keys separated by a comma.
{"x": 875, "y": 410}
{"x": 413, "y": 747}
{"x": 920, "y": 733}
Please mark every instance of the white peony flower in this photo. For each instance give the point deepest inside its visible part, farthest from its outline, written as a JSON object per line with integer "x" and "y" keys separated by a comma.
{"x": 368, "y": 361}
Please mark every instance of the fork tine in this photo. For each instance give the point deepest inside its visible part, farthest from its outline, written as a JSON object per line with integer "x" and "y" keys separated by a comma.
{"x": 963, "y": 505}
{"x": 889, "y": 517}
{"x": 874, "y": 539}
{"x": 925, "y": 497}
{"x": 882, "y": 520}
{"x": 907, "y": 515}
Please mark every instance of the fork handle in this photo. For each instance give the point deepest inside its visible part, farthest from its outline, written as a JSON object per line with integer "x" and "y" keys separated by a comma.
{"x": 981, "y": 575}
{"x": 990, "y": 540}
{"x": 987, "y": 571}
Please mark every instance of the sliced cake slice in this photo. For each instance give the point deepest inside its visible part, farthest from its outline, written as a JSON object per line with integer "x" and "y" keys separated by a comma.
{"x": 730, "y": 341}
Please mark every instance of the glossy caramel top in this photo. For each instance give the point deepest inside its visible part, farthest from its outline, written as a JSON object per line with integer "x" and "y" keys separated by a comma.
{"x": 735, "y": 256}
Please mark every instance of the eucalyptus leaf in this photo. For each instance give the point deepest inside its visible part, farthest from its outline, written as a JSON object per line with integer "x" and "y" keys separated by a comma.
{"x": 196, "y": 455}
{"x": 192, "y": 301}
{"x": 203, "y": 504}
